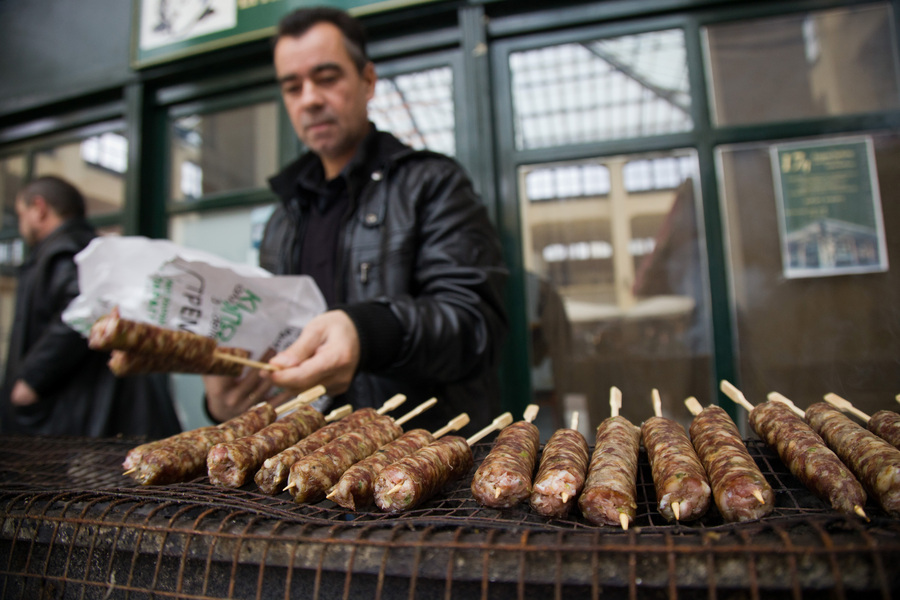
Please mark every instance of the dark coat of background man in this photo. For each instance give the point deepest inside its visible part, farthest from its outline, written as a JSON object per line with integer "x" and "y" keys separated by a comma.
{"x": 397, "y": 240}
{"x": 54, "y": 384}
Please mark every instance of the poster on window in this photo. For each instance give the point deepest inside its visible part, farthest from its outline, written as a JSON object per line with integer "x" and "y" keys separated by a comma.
{"x": 829, "y": 208}
{"x": 164, "y": 30}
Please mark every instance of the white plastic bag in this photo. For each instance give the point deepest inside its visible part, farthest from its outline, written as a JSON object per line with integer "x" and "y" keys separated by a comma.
{"x": 162, "y": 283}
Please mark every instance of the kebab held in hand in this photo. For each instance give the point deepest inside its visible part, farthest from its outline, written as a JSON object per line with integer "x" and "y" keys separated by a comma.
{"x": 504, "y": 478}
{"x": 273, "y": 475}
{"x": 355, "y": 489}
{"x": 610, "y": 491}
{"x": 740, "y": 490}
{"x": 144, "y": 348}
{"x": 884, "y": 423}
{"x": 682, "y": 487}
{"x": 875, "y": 462}
{"x": 560, "y": 477}
{"x": 313, "y": 476}
{"x": 183, "y": 456}
{"x": 412, "y": 480}
{"x": 804, "y": 452}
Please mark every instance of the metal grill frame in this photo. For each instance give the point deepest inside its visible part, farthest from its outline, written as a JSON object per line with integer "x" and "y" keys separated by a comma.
{"x": 73, "y": 527}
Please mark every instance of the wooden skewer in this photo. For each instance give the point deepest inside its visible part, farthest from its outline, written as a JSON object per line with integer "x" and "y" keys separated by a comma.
{"x": 657, "y": 404}
{"x": 245, "y": 361}
{"x": 615, "y": 405}
{"x": 301, "y": 399}
{"x": 693, "y": 405}
{"x": 392, "y": 403}
{"x": 845, "y": 406}
{"x": 338, "y": 413}
{"x": 416, "y": 411}
{"x": 454, "y": 425}
{"x": 573, "y": 424}
{"x": 497, "y": 424}
{"x": 735, "y": 395}
{"x": 776, "y": 397}
{"x": 531, "y": 412}
{"x": 615, "y": 401}
{"x": 657, "y": 411}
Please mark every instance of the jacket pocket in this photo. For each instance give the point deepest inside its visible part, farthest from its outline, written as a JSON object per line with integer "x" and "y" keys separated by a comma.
{"x": 379, "y": 270}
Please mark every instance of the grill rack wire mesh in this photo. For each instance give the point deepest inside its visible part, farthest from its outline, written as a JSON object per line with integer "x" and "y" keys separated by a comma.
{"x": 72, "y": 526}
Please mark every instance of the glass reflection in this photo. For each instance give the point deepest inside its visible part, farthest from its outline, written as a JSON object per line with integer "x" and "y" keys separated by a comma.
{"x": 807, "y": 337}
{"x": 825, "y": 63}
{"x": 418, "y": 108}
{"x": 95, "y": 165}
{"x": 626, "y": 87}
{"x": 12, "y": 178}
{"x": 616, "y": 291}
{"x": 223, "y": 151}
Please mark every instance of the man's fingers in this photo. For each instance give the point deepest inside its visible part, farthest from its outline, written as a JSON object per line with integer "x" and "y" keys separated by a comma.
{"x": 305, "y": 346}
{"x": 303, "y": 376}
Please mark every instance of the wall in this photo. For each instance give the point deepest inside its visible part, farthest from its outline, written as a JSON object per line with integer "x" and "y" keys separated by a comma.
{"x": 52, "y": 50}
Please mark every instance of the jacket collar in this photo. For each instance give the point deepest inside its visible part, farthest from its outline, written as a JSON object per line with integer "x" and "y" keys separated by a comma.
{"x": 71, "y": 236}
{"x": 378, "y": 151}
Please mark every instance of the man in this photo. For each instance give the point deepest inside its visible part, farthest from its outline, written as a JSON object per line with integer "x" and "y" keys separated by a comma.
{"x": 54, "y": 383}
{"x": 396, "y": 239}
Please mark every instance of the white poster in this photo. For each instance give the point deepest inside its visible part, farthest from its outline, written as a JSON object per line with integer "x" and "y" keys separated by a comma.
{"x": 167, "y": 21}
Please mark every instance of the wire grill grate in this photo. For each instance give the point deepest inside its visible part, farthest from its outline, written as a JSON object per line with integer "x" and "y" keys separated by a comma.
{"x": 72, "y": 527}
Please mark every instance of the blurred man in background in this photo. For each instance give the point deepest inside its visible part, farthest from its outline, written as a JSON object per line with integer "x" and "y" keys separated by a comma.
{"x": 54, "y": 384}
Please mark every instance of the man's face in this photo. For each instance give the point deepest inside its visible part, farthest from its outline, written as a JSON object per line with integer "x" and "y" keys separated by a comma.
{"x": 324, "y": 94}
{"x": 28, "y": 223}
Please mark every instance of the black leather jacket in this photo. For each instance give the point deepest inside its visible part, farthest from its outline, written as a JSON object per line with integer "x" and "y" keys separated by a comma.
{"x": 420, "y": 273}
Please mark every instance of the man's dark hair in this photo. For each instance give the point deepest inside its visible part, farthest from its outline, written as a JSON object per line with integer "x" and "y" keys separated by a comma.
{"x": 61, "y": 196}
{"x": 296, "y": 23}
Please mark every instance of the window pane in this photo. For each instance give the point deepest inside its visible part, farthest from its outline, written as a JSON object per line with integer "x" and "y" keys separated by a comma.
{"x": 233, "y": 234}
{"x": 807, "y": 337}
{"x": 12, "y": 178}
{"x": 95, "y": 165}
{"x": 224, "y": 151}
{"x": 632, "y": 86}
{"x": 8, "y": 283}
{"x": 826, "y": 63}
{"x": 616, "y": 289}
{"x": 418, "y": 109}
{"x": 571, "y": 181}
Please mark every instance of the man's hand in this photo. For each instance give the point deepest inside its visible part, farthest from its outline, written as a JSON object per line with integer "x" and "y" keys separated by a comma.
{"x": 326, "y": 353}
{"x": 227, "y": 397}
{"x": 23, "y": 394}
